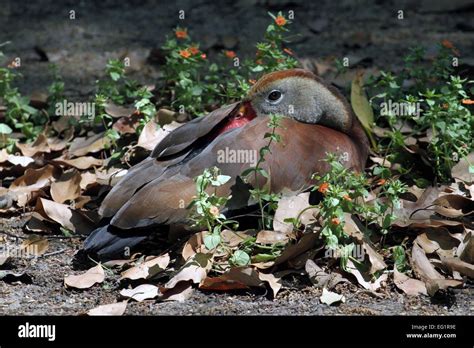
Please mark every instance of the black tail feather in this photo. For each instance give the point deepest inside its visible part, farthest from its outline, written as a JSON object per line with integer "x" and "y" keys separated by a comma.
{"x": 105, "y": 244}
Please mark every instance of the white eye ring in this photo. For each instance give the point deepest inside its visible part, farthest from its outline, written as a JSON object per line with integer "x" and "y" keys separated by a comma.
{"x": 275, "y": 96}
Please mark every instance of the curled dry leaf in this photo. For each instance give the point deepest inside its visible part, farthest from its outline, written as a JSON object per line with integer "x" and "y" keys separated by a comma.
{"x": 364, "y": 278}
{"x": 428, "y": 274}
{"x": 241, "y": 278}
{"x": 272, "y": 237}
{"x": 195, "y": 270}
{"x": 87, "y": 178}
{"x": 109, "y": 176}
{"x": 82, "y": 163}
{"x": 34, "y": 245}
{"x": 117, "y": 308}
{"x": 180, "y": 293}
{"x": 23, "y": 161}
{"x": 66, "y": 187}
{"x": 376, "y": 260}
{"x": 118, "y": 111}
{"x": 141, "y": 292}
{"x": 329, "y": 297}
{"x": 410, "y": 286}
{"x": 438, "y": 240}
{"x": 40, "y": 145}
{"x": 454, "y": 206}
{"x": 63, "y": 215}
{"x": 464, "y": 169}
{"x": 291, "y": 206}
{"x": 361, "y": 105}
{"x": 194, "y": 245}
{"x": 457, "y": 265}
{"x": 321, "y": 279}
{"x": 148, "y": 269}
{"x": 152, "y": 134}
{"x": 34, "y": 179}
{"x": 84, "y": 145}
{"x": 86, "y": 280}
{"x": 467, "y": 248}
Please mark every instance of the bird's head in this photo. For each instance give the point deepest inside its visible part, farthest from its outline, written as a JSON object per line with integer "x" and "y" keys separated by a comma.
{"x": 299, "y": 94}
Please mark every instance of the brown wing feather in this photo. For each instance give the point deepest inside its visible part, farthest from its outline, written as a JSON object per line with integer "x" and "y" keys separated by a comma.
{"x": 188, "y": 133}
{"x": 154, "y": 166}
{"x": 291, "y": 164}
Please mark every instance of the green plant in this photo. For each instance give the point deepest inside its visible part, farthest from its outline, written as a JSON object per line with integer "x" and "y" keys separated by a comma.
{"x": 197, "y": 85}
{"x": 266, "y": 200}
{"x": 431, "y": 107}
{"x": 207, "y": 206}
{"x": 345, "y": 192}
{"x": 399, "y": 258}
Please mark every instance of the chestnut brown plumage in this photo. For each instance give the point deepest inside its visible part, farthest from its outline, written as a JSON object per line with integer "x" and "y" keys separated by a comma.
{"x": 157, "y": 191}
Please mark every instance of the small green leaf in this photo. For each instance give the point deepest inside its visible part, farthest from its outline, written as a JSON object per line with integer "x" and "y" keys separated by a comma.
{"x": 211, "y": 241}
{"x": 5, "y": 129}
{"x": 240, "y": 258}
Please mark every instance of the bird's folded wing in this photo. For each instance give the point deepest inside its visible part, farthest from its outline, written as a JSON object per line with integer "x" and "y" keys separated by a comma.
{"x": 187, "y": 134}
{"x": 153, "y": 167}
{"x": 290, "y": 164}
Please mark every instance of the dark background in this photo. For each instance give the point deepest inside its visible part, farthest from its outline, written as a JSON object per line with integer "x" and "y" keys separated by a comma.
{"x": 366, "y": 31}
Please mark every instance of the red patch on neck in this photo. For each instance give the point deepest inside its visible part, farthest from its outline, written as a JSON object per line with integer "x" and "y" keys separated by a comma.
{"x": 240, "y": 118}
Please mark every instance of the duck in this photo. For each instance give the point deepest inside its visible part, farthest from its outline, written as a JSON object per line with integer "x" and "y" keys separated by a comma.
{"x": 154, "y": 195}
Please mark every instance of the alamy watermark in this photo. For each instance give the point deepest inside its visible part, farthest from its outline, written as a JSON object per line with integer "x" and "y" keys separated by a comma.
{"x": 68, "y": 108}
{"x": 228, "y": 155}
{"x": 400, "y": 108}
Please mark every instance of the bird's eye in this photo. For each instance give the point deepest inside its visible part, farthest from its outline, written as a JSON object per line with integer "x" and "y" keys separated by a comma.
{"x": 274, "y": 96}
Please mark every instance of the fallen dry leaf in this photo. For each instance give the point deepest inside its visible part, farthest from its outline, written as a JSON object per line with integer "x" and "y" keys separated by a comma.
{"x": 65, "y": 216}
{"x": 410, "y": 286}
{"x": 271, "y": 237}
{"x": 195, "y": 270}
{"x": 86, "y": 280}
{"x": 20, "y": 160}
{"x": 428, "y": 274}
{"x": 117, "y": 308}
{"x": 84, "y": 145}
{"x": 364, "y": 278}
{"x": 461, "y": 170}
{"x": 66, "y": 187}
{"x": 141, "y": 292}
{"x": 148, "y": 269}
{"x": 329, "y": 297}
{"x": 38, "y": 146}
{"x": 152, "y": 134}
{"x": 290, "y": 206}
{"x": 456, "y": 264}
{"x": 321, "y": 279}
{"x": 82, "y": 163}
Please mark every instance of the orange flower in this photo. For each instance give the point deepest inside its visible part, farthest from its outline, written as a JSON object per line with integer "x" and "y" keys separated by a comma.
{"x": 335, "y": 221}
{"x": 184, "y": 53}
{"x": 381, "y": 182}
{"x": 203, "y": 56}
{"x": 259, "y": 62}
{"x": 347, "y": 198}
{"x": 447, "y": 44}
{"x": 280, "y": 21}
{"x": 468, "y": 101}
{"x": 181, "y": 33}
{"x": 252, "y": 82}
{"x": 323, "y": 187}
{"x": 194, "y": 50}
{"x": 445, "y": 106}
{"x": 230, "y": 54}
{"x": 288, "y": 51}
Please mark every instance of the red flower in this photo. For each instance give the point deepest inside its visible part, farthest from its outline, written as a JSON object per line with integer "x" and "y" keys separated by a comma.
{"x": 203, "y": 56}
{"x": 381, "y": 182}
{"x": 468, "y": 101}
{"x": 335, "y": 221}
